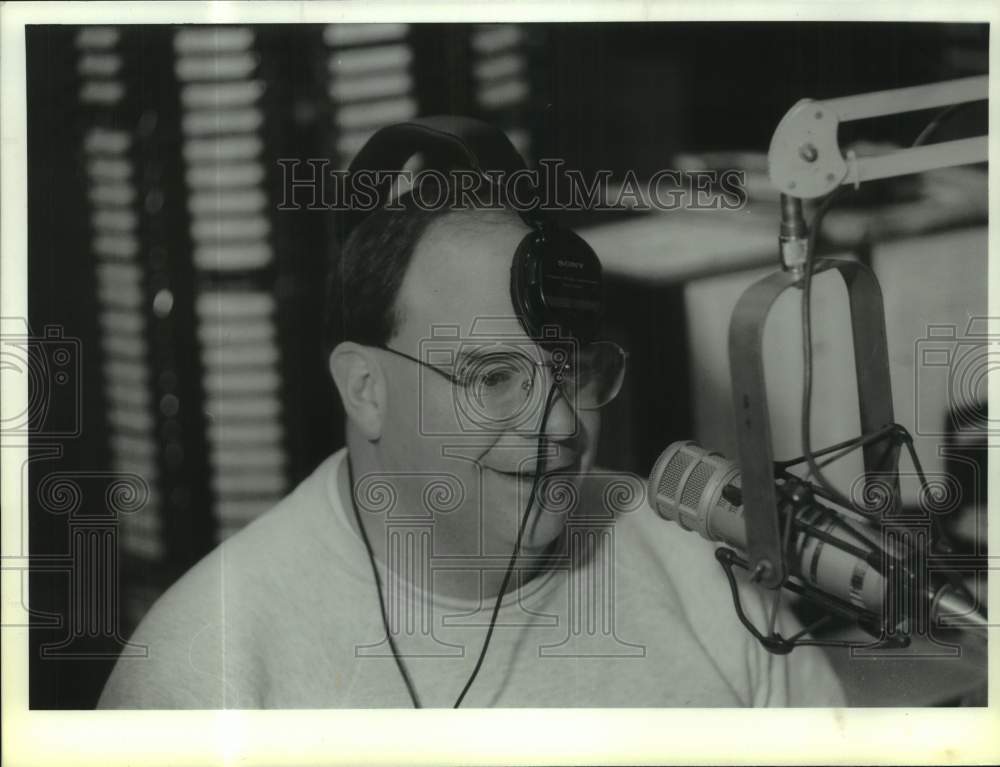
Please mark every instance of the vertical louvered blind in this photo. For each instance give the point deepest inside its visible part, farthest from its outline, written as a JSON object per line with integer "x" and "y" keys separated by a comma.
{"x": 116, "y": 249}
{"x": 501, "y": 81}
{"x": 370, "y": 81}
{"x": 228, "y": 206}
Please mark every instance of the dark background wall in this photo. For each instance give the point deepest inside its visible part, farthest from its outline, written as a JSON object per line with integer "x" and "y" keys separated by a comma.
{"x": 600, "y": 96}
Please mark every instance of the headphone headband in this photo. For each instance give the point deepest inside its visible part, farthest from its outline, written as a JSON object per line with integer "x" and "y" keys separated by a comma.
{"x": 449, "y": 141}
{"x": 555, "y": 284}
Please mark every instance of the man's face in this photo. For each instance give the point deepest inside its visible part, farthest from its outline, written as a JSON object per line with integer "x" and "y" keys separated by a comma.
{"x": 459, "y": 278}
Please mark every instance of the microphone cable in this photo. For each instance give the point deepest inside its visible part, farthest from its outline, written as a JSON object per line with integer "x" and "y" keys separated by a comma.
{"x": 807, "y": 351}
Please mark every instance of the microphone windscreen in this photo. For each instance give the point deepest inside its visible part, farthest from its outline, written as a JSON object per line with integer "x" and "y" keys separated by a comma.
{"x": 688, "y": 485}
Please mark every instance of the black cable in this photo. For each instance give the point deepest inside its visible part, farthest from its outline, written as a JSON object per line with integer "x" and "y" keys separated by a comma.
{"x": 807, "y": 360}
{"x": 943, "y": 116}
{"x": 853, "y": 441}
{"x": 831, "y": 492}
{"x": 381, "y": 599}
{"x": 776, "y": 643}
{"x": 859, "y": 442}
{"x": 539, "y": 466}
{"x": 794, "y": 638}
{"x": 807, "y": 527}
{"x": 785, "y": 539}
{"x": 941, "y": 540}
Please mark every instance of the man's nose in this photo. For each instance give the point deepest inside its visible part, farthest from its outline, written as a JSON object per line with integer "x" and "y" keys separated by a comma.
{"x": 562, "y": 422}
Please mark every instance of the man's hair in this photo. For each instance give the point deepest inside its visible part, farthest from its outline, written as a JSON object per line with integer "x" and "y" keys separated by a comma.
{"x": 368, "y": 271}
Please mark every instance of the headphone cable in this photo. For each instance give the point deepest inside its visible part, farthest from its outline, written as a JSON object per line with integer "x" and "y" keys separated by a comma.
{"x": 381, "y": 599}
{"x": 539, "y": 464}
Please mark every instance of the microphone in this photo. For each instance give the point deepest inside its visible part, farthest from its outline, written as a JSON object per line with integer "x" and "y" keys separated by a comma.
{"x": 701, "y": 491}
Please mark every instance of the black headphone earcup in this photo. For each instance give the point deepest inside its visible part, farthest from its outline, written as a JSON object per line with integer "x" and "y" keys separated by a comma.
{"x": 556, "y": 285}
{"x": 524, "y": 293}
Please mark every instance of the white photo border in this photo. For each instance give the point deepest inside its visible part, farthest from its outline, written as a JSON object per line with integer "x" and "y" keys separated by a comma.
{"x": 439, "y": 737}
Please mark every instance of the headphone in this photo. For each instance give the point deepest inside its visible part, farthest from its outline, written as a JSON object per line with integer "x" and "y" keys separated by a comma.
{"x": 556, "y": 287}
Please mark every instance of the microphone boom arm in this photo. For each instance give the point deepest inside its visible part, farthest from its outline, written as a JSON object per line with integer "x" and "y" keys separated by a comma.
{"x": 805, "y": 160}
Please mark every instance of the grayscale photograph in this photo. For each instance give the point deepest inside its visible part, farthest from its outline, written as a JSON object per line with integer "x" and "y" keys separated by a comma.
{"x": 503, "y": 365}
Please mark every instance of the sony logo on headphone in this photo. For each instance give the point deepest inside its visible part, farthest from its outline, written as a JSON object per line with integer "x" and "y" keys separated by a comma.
{"x": 574, "y": 264}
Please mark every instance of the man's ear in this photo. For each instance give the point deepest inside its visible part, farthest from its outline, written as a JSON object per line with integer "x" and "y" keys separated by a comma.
{"x": 359, "y": 379}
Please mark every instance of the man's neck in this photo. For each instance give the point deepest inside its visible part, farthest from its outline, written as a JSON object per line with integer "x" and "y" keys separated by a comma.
{"x": 467, "y": 584}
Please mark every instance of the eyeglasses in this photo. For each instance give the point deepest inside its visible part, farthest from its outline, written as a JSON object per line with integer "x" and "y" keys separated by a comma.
{"x": 499, "y": 385}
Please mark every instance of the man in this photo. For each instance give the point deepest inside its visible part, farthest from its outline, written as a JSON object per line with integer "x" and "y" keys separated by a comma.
{"x": 375, "y": 583}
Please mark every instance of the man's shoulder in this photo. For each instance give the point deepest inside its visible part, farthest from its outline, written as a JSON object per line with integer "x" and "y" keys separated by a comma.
{"x": 208, "y": 623}
{"x": 657, "y": 561}
{"x": 622, "y": 497}
{"x": 293, "y": 530}
{"x": 673, "y": 572}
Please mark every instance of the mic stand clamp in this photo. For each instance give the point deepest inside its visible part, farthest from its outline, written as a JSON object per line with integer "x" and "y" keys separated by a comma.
{"x": 793, "y": 236}
{"x": 753, "y": 423}
{"x": 778, "y": 645}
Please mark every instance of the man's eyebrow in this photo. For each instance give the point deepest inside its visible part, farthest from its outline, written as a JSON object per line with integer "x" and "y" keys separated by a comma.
{"x": 471, "y": 355}
{"x": 445, "y": 359}
{"x": 524, "y": 350}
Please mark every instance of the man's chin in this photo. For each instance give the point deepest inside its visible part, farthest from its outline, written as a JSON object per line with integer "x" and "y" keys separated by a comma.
{"x": 546, "y": 525}
{"x": 556, "y": 496}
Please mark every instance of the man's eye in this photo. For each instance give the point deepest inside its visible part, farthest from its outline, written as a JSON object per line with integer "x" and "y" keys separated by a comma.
{"x": 495, "y": 378}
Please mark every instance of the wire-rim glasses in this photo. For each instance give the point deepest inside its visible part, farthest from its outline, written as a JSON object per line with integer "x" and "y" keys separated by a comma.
{"x": 497, "y": 384}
